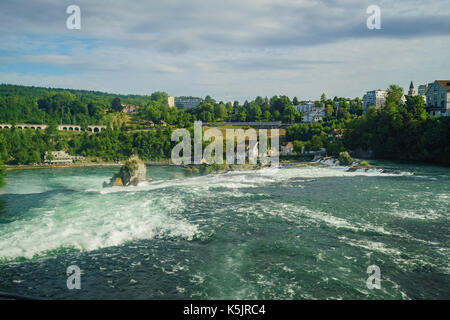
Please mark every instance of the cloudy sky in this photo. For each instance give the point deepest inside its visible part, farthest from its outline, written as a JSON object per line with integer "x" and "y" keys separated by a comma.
{"x": 229, "y": 49}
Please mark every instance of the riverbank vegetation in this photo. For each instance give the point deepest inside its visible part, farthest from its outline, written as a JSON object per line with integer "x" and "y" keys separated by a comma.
{"x": 401, "y": 131}
{"x": 345, "y": 159}
{"x": 317, "y": 135}
{"x": 2, "y": 174}
{"x": 398, "y": 131}
{"x": 28, "y": 146}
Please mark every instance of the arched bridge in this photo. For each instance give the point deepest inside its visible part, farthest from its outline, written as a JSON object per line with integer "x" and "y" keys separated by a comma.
{"x": 62, "y": 127}
{"x": 71, "y": 127}
{"x": 25, "y": 126}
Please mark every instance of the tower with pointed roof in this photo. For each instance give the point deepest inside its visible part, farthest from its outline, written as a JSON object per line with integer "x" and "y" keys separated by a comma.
{"x": 412, "y": 91}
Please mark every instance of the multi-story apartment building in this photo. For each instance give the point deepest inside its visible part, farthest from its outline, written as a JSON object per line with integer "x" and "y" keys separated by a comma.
{"x": 314, "y": 115}
{"x": 422, "y": 89}
{"x": 187, "y": 102}
{"x": 438, "y": 98}
{"x": 375, "y": 98}
{"x": 171, "y": 101}
{"x": 305, "y": 106}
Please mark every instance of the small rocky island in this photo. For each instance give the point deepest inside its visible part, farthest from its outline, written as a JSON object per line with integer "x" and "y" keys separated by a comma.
{"x": 131, "y": 173}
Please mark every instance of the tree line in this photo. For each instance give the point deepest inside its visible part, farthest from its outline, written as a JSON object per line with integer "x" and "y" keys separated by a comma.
{"x": 29, "y": 146}
{"x": 277, "y": 108}
{"x": 318, "y": 135}
{"x": 21, "y": 104}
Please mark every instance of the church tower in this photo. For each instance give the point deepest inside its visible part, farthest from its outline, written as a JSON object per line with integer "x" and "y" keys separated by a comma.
{"x": 412, "y": 91}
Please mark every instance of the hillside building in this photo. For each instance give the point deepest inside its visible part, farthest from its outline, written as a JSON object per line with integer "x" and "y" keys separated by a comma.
{"x": 374, "y": 98}
{"x": 438, "y": 98}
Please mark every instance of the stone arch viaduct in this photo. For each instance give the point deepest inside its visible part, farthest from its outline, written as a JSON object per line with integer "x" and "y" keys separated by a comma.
{"x": 62, "y": 127}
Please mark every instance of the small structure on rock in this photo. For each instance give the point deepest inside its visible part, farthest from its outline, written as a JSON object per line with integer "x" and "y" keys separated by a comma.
{"x": 131, "y": 173}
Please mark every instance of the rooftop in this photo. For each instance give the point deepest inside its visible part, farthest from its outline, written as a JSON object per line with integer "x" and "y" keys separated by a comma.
{"x": 445, "y": 84}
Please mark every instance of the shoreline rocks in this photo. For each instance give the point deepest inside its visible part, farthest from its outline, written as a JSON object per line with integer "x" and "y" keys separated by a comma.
{"x": 221, "y": 168}
{"x": 355, "y": 165}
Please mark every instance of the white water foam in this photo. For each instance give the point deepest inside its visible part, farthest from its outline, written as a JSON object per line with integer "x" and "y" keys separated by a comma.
{"x": 89, "y": 223}
{"x": 100, "y": 217}
{"x": 247, "y": 179}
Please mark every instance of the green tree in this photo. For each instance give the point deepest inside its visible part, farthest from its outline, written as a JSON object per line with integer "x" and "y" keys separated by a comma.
{"x": 116, "y": 104}
{"x": 356, "y": 107}
{"x": 220, "y": 112}
{"x": 316, "y": 143}
{"x": 298, "y": 146}
{"x": 394, "y": 95}
{"x": 266, "y": 115}
{"x": 345, "y": 159}
{"x": 159, "y": 96}
{"x": 290, "y": 114}
{"x": 329, "y": 111}
{"x": 415, "y": 105}
{"x": 242, "y": 116}
{"x": 334, "y": 148}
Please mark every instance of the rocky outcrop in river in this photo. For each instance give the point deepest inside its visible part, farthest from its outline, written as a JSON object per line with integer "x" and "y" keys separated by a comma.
{"x": 131, "y": 173}
{"x": 344, "y": 160}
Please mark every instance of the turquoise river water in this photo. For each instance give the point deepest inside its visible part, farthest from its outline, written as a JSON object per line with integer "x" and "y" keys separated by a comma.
{"x": 288, "y": 233}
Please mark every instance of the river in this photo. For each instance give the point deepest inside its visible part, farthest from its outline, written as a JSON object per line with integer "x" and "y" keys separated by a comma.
{"x": 288, "y": 233}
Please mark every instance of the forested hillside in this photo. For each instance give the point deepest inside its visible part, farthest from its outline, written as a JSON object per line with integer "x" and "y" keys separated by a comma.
{"x": 21, "y": 104}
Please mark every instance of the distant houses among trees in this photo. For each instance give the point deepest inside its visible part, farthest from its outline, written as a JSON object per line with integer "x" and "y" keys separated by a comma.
{"x": 60, "y": 157}
{"x": 435, "y": 95}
